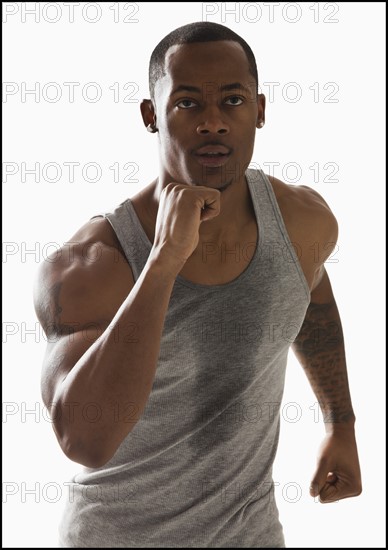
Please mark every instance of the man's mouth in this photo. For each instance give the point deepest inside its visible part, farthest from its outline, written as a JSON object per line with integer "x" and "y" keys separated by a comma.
{"x": 213, "y": 155}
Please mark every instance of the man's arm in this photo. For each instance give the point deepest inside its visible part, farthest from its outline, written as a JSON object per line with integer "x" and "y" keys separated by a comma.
{"x": 104, "y": 332}
{"x": 320, "y": 349}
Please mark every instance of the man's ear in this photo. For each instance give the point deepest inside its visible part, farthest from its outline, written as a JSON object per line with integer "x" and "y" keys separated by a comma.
{"x": 260, "y": 111}
{"x": 148, "y": 115}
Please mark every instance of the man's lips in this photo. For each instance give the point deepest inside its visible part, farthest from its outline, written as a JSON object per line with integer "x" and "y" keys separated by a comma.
{"x": 221, "y": 149}
{"x": 213, "y": 155}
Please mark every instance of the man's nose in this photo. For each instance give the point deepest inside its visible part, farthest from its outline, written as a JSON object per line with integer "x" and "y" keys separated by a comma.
{"x": 212, "y": 123}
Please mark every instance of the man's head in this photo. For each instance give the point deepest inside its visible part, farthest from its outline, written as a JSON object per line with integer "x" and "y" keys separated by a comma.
{"x": 205, "y": 106}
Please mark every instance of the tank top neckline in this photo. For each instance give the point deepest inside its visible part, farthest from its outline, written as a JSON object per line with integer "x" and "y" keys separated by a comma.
{"x": 237, "y": 280}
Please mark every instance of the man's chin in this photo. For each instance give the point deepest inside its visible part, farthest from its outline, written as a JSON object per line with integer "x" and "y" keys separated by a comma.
{"x": 220, "y": 183}
{"x": 223, "y": 187}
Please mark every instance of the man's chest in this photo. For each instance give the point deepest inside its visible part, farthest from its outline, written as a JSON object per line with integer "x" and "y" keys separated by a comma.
{"x": 217, "y": 263}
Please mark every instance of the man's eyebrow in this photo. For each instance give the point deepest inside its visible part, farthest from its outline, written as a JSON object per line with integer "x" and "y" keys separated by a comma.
{"x": 186, "y": 88}
{"x": 208, "y": 86}
{"x": 234, "y": 86}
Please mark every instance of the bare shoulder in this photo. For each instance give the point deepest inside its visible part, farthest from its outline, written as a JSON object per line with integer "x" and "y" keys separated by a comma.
{"x": 85, "y": 281}
{"x": 305, "y": 211}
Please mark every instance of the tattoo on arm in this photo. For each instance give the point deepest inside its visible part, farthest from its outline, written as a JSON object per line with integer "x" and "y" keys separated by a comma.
{"x": 319, "y": 348}
{"x": 320, "y": 332}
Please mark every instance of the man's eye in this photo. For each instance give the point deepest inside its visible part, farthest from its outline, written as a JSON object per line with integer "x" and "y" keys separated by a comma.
{"x": 186, "y": 104}
{"x": 234, "y": 100}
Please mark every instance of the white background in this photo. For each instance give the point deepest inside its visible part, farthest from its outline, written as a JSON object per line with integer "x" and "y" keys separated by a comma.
{"x": 349, "y": 133}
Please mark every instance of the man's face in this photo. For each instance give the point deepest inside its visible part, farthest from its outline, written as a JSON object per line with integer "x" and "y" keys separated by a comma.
{"x": 206, "y": 110}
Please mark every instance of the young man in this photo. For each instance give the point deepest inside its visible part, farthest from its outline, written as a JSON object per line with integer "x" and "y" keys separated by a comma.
{"x": 167, "y": 347}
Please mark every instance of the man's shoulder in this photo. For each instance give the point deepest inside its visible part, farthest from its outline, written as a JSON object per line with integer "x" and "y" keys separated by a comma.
{"x": 307, "y": 216}
{"x": 94, "y": 239}
{"x": 304, "y": 208}
{"x": 93, "y": 253}
{"x": 301, "y": 196}
{"x": 96, "y": 230}
{"x": 88, "y": 274}
{"x": 89, "y": 271}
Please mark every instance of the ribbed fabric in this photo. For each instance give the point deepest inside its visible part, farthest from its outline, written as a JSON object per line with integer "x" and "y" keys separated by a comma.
{"x": 196, "y": 471}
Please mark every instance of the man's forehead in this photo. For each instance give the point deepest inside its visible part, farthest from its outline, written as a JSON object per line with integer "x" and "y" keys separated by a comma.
{"x": 220, "y": 61}
{"x": 221, "y": 51}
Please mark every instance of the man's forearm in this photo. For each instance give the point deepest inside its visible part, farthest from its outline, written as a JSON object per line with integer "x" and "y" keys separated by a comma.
{"x": 320, "y": 349}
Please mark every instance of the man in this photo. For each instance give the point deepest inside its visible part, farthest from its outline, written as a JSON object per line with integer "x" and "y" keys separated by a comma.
{"x": 168, "y": 339}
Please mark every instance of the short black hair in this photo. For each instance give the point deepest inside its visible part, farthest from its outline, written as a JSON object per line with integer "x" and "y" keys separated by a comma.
{"x": 202, "y": 31}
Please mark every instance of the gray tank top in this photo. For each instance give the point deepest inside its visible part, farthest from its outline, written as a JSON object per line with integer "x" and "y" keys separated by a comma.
{"x": 196, "y": 471}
